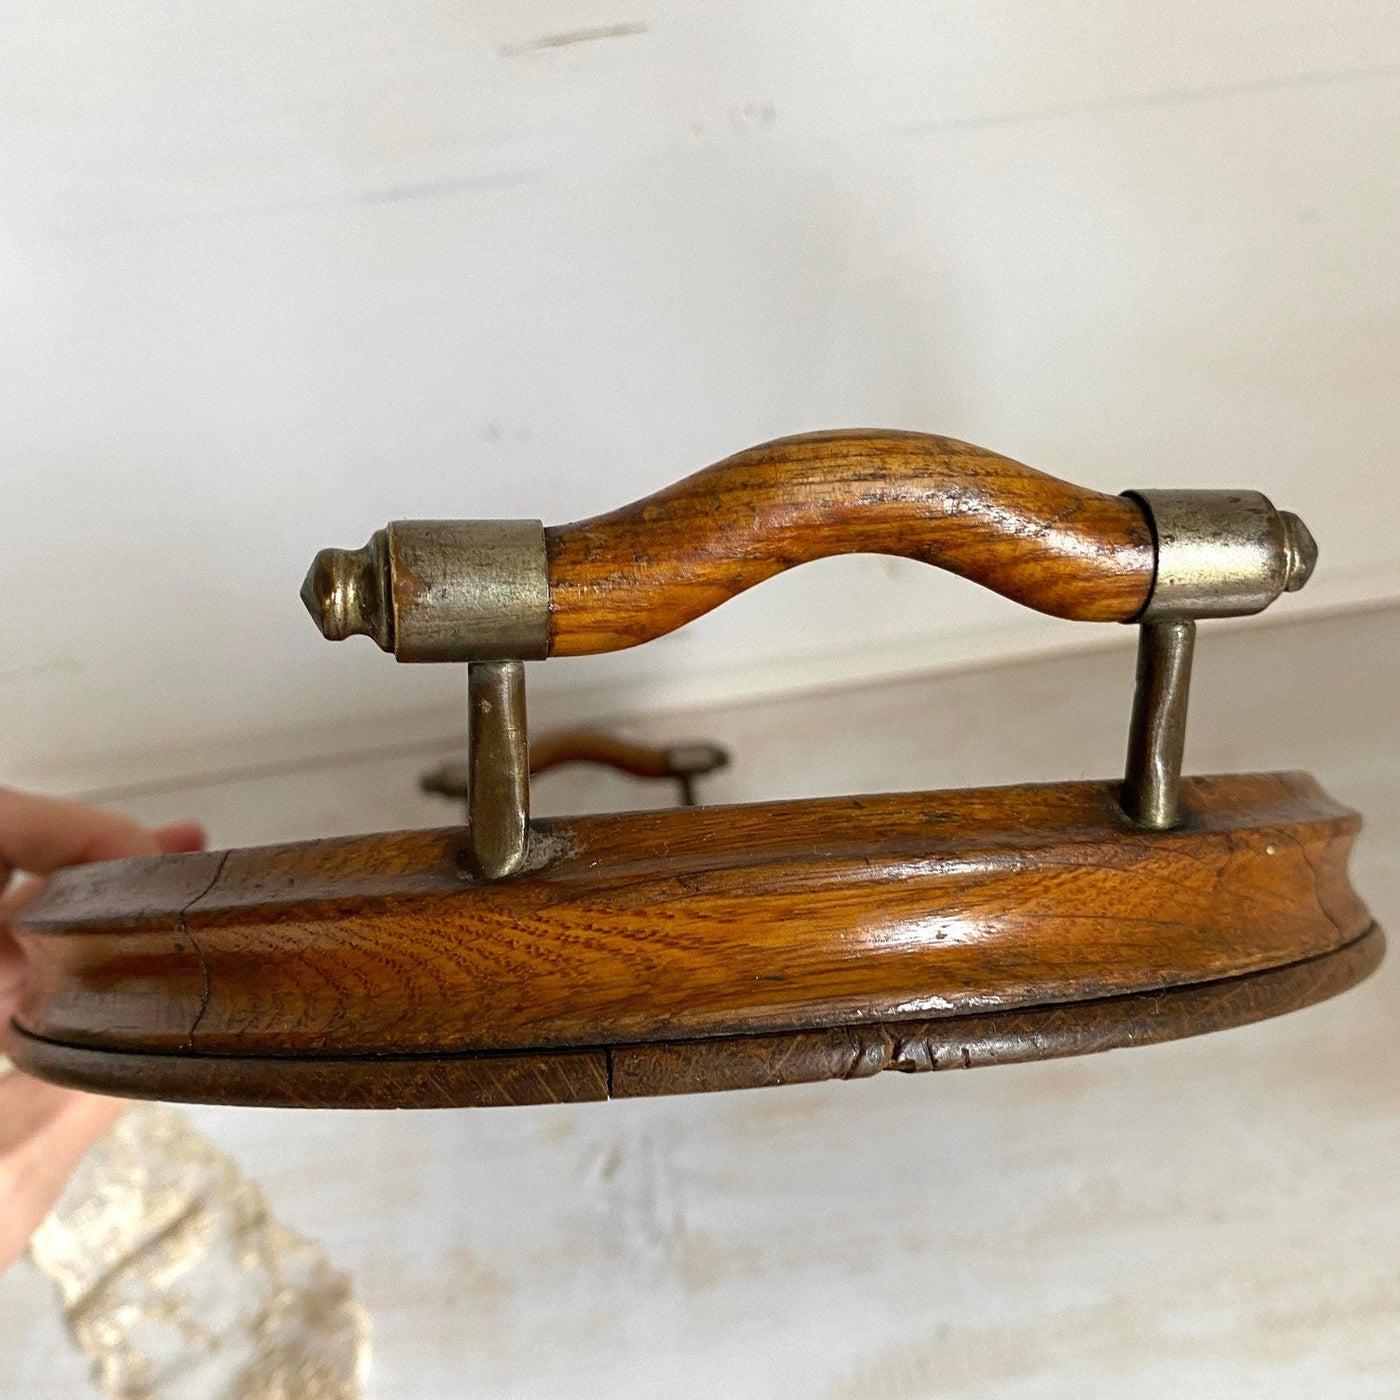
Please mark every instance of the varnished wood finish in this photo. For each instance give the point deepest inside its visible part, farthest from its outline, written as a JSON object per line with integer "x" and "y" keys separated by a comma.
{"x": 696, "y": 1066}
{"x": 657, "y": 926}
{"x": 637, "y": 573}
{"x": 993, "y": 1038}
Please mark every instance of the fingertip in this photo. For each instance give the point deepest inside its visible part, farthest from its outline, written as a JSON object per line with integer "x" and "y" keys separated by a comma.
{"x": 181, "y": 836}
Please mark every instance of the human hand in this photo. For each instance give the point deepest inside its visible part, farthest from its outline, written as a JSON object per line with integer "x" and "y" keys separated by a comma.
{"x": 45, "y": 1130}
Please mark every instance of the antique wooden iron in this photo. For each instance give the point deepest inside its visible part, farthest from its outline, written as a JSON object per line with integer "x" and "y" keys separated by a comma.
{"x": 511, "y": 961}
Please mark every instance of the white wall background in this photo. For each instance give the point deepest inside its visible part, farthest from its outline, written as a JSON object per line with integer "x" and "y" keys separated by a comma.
{"x": 271, "y": 275}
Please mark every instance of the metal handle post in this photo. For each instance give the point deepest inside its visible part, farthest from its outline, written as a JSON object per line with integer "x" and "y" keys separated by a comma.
{"x": 498, "y": 795}
{"x": 1157, "y": 733}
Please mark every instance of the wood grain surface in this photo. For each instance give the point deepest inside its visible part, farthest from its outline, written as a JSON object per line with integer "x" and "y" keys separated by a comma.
{"x": 637, "y": 573}
{"x": 672, "y": 925}
{"x": 708, "y": 1065}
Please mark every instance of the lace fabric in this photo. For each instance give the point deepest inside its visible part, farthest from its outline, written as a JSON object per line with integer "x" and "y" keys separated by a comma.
{"x": 177, "y": 1281}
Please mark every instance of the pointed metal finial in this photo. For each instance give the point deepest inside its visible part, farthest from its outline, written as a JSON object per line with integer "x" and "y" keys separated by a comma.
{"x": 1300, "y": 550}
{"x": 346, "y": 593}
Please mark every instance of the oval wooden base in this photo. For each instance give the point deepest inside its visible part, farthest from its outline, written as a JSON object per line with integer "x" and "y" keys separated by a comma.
{"x": 700, "y": 1066}
{"x": 668, "y": 951}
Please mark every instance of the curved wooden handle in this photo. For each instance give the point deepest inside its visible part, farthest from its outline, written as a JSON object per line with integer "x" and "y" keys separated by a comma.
{"x": 637, "y": 573}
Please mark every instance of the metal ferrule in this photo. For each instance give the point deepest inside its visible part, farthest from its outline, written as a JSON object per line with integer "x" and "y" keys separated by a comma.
{"x": 1222, "y": 553}
{"x": 439, "y": 590}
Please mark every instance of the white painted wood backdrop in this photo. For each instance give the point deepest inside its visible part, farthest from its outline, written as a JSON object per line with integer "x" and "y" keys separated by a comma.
{"x": 271, "y": 275}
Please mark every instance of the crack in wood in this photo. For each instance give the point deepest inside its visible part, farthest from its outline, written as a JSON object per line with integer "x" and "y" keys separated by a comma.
{"x": 182, "y": 924}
